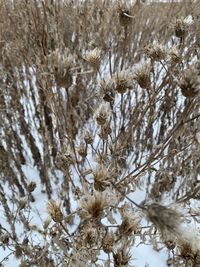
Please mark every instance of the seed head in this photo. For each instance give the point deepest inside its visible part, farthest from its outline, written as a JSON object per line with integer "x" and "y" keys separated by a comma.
{"x": 190, "y": 83}
{"x": 93, "y": 57}
{"x": 102, "y": 178}
{"x": 108, "y": 242}
{"x": 142, "y": 76}
{"x": 123, "y": 81}
{"x": 101, "y": 114}
{"x": 54, "y": 211}
{"x": 156, "y": 51}
{"x": 31, "y": 187}
{"x": 165, "y": 219}
{"x": 174, "y": 56}
{"x": 94, "y": 205}
{"x": 180, "y": 27}
{"x": 61, "y": 62}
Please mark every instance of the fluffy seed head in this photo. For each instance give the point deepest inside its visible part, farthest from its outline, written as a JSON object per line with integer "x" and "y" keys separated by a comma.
{"x": 180, "y": 27}
{"x": 108, "y": 242}
{"x": 93, "y": 57}
{"x": 156, "y": 51}
{"x": 142, "y": 76}
{"x": 165, "y": 219}
{"x": 54, "y": 211}
{"x": 190, "y": 83}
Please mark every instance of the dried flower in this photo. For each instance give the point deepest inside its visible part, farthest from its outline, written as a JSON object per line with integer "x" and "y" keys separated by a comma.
{"x": 108, "y": 242}
{"x": 123, "y": 81}
{"x": 102, "y": 178}
{"x": 102, "y": 114}
{"x": 5, "y": 239}
{"x": 156, "y": 51}
{"x": 94, "y": 205}
{"x": 174, "y": 56}
{"x": 180, "y": 27}
{"x": 130, "y": 221}
{"x": 88, "y": 137}
{"x": 31, "y": 187}
{"x": 105, "y": 132}
{"x": 142, "y": 76}
{"x": 82, "y": 151}
{"x": 121, "y": 258}
{"x": 94, "y": 58}
{"x": 54, "y": 211}
{"x": 165, "y": 219}
{"x": 61, "y": 63}
{"x": 190, "y": 83}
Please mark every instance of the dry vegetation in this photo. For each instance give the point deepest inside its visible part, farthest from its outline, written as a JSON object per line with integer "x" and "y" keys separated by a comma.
{"x": 101, "y": 98}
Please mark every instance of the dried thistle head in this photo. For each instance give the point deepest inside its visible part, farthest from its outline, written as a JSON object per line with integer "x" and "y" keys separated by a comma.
{"x": 82, "y": 150}
{"x": 174, "y": 56}
{"x": 93, "y": 57}
{"x": 143, "y": 76}
{"x": 102, "y": 114}
{"x": 54, "y": 211}
{"x": 130, "y": 221}
{"x": 180, "y": 27}
{"x": 92, "y": 206}
{"x": 88, "y": 137}
{"x": 31, "y": 187}
{"x": 123, "y": 81}
{"x": 105, "y": 131}
{"x": 102, "y": 177}
{"x": 165, "y": 219}
{"x": 121, "y": 258}
{"x": 188, "y": 253}
{"x": 156, "y": 51}
{"x": 61, "y": 62}
{"x": 90, "y": 236}
{"x": 108, "y": 242}
{"x": 190, "y": 83}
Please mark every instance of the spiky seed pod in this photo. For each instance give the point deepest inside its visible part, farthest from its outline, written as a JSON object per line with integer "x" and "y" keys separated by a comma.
{"x": 156, "y": 51}
{"x": 174, "y": 56}
{"x": 88, "y": 137}
{"x": 101, "y": 117}
{"x": 108, "y": 242}
{"x": 142, "y": 76}
{"x": 102, "y": 114}
{"x": 18, "y": 251}
{"x": 5, "y": 239}
{"x": 186, "y": 251}
{"x": 93, "y": 57}
{"x": 123, "y": 81}
{"x": 165, "y": 219}
{"x": 180, "y": 27}
{"x": 54, "y": 211}
{"x": 60, "y": 63}
{"x": 90, "y": 236}
{"x": 105, "y": 132}
{"x": 82, "y": 151}
{"x": 121, "y": 258}
{"x": 92, "y": 206}
{"x": 126, "y": 228}
{"x": 31, "y": 187}
{"x": 101, "y": 178}
{"x": 190, "y": 83}
{"x": 170, "y": 244}
{"x": 22, "y": 203}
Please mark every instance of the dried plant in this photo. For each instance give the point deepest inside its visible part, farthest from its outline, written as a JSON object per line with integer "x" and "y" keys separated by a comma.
{"x": 99, "y": 106}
